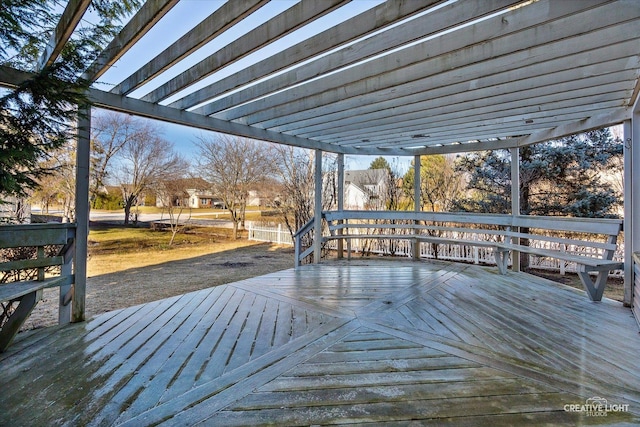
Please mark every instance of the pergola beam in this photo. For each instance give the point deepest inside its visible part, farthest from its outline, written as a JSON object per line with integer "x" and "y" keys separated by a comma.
{"x": 12, "y": 78}
{"x": 285, "y": 23}
{"x": 492, "y": 44}
{"x": 359, "y": 26}
{"x": 215, "y": 24}
{"x": 148, "y": 15}
{"x": 69, "y": 20}
{"x": 416, "y": 29}
{"x": 141, "y": 108}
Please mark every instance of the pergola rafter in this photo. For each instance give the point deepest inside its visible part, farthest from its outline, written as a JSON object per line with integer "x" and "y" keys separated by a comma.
{"x": 215, "y": 24}
{"x": 359, "y": 26}
{"x": 70, "y": 18}
{"x": 285, "y": 23}
{"x": 148, "y": 15}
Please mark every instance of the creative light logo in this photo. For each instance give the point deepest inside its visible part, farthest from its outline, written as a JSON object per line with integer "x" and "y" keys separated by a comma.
{"x": 596, "y": 407}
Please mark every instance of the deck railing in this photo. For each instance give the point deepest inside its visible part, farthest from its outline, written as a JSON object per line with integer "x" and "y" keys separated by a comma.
{"x": 636, "y": 286}
{"x": 409, "y": 223}
{"x": 33, "y": 257}
{"x": 303, "y": 239}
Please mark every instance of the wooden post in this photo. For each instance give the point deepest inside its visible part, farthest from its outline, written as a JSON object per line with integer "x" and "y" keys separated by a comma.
{"x": 631, "y": 206}
{"x": 340, "y": 242}
{"x": 317, "y": 226}
{"x": 515, "y": 203}
{"x": 417, "y": 197}
{"x": 628, "y": 213}
{"x": 82, "y": 214}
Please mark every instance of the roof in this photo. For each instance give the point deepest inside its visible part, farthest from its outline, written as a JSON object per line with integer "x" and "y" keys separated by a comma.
{"x": 362, "y": 178}
{"x": 399, "y": 78}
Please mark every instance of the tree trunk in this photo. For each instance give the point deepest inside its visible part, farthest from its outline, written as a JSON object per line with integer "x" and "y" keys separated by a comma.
{"x": 235, "y": 228}
{"x": 127, "y": 211}
{"x": 128, "y": 204}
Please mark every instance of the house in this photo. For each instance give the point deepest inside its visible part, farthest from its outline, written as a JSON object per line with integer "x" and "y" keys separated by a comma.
{"x": 203, "y": 198}
{"x": 365, "y": 189}
{"x": 186, "y": 192}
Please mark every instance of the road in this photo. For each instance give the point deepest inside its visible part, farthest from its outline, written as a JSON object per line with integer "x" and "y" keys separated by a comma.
{"x": 197, "y": 218}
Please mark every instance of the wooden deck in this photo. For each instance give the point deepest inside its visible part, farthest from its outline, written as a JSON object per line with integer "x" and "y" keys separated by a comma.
{"x": 383, "y": 342}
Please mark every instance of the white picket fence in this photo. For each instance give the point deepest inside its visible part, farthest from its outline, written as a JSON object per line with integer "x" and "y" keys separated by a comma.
{"x": 279, "y": 234}
{"x": 473, "y": 254}
{"x": 446, "y": 252}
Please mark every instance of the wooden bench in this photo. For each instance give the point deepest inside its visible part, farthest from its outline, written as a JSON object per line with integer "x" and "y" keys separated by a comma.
{"x": 19, "y": 297}
{"x": 595, "y": 256}
{"x": 502, "y": 233}
{"x": 418, "y": 227}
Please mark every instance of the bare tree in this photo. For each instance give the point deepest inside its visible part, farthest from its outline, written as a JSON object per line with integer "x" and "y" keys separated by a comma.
{"x": 234, "y": 166}
{"x": 109, "y": 133}
{"x": 58, "y": 184}
{"x": 174, "y": 195}
{"x": 144, "y": 160}
{"x": 394, "y": 195}
{"x": 297, "y": 174}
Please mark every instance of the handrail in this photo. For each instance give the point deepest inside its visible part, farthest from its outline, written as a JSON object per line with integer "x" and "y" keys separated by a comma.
{"x": 587, "y": 225}
{"x": 305, "y": 228}
{"x": 297, "y": 237}
{"x": 13, "y": 236}
{"x": 507, "y": 225}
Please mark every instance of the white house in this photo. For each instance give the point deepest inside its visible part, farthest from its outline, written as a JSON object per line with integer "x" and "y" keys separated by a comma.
{"x": 365, "y": 189}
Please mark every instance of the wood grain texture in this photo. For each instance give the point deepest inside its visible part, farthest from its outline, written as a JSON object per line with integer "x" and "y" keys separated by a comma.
{"x": 365, "y": 341}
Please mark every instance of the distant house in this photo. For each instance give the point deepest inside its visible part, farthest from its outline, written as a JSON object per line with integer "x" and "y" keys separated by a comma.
{"x": 188, "y": 192}
{"x": 203, "y": 198}
{"x": 365, "y": 189}
{"x": 185, "y": 192}
{"x": 196, "y": 193}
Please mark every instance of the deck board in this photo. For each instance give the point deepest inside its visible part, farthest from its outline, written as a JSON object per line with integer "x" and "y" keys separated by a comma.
{"x": 366, "y": 341}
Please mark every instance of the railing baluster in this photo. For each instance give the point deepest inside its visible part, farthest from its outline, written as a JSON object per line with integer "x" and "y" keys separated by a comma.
{"x": 40, "y": 255}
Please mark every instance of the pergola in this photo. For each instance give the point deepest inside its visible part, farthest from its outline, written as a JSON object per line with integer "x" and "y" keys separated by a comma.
{"x": 406, "y": 78}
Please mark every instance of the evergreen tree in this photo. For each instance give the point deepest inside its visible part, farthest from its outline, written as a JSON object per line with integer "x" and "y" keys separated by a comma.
{"x": 557, "y": 178}
{"x": 380, "y": 163}
{"x": 39, "y": 116}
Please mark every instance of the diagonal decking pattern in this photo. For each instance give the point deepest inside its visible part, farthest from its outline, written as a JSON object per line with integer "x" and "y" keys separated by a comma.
{"x": 360, "y": 341}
